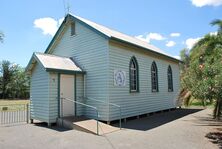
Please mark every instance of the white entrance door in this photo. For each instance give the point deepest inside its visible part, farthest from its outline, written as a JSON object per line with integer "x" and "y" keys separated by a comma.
{"x": 67, "y": 91}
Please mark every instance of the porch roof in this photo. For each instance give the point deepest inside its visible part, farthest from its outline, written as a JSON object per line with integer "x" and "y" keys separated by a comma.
{"x": 54, "y": 63}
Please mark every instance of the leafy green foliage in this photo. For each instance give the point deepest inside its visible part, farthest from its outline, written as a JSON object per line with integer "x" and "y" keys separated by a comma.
{"x": 217, "y": 22}
{"x": 202, "y": 71}
{"x": 1, "y": 37}
{"x": 14, "y": 83}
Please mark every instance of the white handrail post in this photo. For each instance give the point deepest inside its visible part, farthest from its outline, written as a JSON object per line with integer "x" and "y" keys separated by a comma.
{"x": 112, "y": 104}
{"x": 61, "y": 107}
{"x": 120, "y": 119}
{"x": 97, "y": 112}
{"x": 27, "y": 113}
{"x": 97, "y": 121}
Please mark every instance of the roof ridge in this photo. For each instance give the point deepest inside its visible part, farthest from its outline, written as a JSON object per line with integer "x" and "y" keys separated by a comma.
{"x": 112, "y": 34}
{"x": 103, "y": 29}
{"x": 112, "y": 29}
{"x": 52, "y": 55}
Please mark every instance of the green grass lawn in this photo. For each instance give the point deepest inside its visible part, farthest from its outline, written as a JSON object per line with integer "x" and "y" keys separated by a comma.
{"x": 199, "y": 103}
{"x": 13, "y": 105}
{"x": 10, "y": 102}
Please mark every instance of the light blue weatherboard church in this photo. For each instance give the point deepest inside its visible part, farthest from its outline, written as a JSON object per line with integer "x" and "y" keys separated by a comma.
{"x": 88, "y": 63}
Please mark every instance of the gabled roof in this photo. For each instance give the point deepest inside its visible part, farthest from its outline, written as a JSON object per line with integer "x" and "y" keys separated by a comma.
{"x": 112, "y": 34}
{"x": 54, "y": 63}
{"x": 118, "y": 35}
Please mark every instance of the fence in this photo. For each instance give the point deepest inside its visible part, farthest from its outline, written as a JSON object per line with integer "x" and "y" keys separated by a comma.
{"x": 14, "y": 113}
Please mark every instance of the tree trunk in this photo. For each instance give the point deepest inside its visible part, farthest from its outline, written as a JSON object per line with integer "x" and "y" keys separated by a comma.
{"x": 217, "y": 109}
{"x": 204, "y": 103}
{"x": 3, "y": 91}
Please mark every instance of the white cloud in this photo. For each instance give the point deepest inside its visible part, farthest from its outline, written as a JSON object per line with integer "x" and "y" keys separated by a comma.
{"x": 175, "y": 34}
{"x": 48, "y": 25}
{"x": 213, "y": 33}
{"x": 191, "y": 42}
{"x": 141, "y": 37}
{"x": 155, "y": 36}
{"x": 170, "y": 43}
{"x": 177, "y": 57}
{"x": 201, "y": 3}
{"x": 151, "y": 36}
{"x": 61, "y": 20}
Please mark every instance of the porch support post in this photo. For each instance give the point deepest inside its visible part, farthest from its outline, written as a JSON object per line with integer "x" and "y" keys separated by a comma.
{"x": 84, "y": 85}
{"x": 58, "y": 95}
{"x": 75, "y": 94}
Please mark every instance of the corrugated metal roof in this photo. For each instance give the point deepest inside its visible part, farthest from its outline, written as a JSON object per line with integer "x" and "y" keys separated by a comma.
{"x": 54, "y": 63}
{"x": 115, "y": 34}
{"x": 57, "y": 62}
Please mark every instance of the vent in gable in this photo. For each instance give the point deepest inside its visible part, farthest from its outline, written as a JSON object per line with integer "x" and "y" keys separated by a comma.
{"x": 73, "y": 28}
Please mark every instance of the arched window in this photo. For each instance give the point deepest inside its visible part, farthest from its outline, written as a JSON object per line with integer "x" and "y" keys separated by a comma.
{"x": 170, "y": 79}
{"x": 154, "y": 77}
{"x": 133, "y": 75}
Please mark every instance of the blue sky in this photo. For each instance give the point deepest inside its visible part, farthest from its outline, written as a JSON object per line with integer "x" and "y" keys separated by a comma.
{"x": 170, "y": 25}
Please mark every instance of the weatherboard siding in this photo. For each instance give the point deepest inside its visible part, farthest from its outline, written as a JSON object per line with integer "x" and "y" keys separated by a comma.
{"x": 79, "y": 94}
{"x": 53, "y": 97}
{"x": 90, "y": 52}
{"x": 39, "y": 93}
{"x": 145, "y": 100}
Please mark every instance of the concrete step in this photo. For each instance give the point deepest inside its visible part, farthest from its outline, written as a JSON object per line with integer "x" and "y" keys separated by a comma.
{"x": 87, "y": 125}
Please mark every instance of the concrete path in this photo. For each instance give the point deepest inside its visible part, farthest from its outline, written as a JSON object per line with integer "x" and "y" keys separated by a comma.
{"x": 184, "y": 129}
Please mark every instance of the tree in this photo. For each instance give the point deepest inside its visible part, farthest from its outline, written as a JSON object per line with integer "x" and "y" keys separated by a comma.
{"x": 203, "y": 76}
{"x": 7, "y": 71}
{"x": 1, "y": 37}
{"x": 14, "y": 83}
{"x": 219, "y": 24}
{"x": 19, "y": 85}
{"x": 185, "y": 94}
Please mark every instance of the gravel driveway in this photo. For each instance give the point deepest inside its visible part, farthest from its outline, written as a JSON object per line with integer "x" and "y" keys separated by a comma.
{"x": 184, "y": 129}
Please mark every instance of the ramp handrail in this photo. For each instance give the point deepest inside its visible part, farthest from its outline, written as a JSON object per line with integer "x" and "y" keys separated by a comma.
{"x": 83, "y": 104}
{"x": 112, "y": 104}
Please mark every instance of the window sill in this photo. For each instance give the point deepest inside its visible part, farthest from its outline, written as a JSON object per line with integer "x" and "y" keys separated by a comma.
{"x": 154, "y": 91}
{"x": 134, "y": 91}
{"x": 73, "y": 36}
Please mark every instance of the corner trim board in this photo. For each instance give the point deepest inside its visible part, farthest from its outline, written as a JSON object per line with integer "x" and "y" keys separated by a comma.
{"x": 58, "y": 94}
{"x": 75, "y": 94}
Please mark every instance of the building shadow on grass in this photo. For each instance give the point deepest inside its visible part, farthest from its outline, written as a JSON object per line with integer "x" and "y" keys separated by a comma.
{"x": 145, "y": 123}
{"x": 53, "y": 127}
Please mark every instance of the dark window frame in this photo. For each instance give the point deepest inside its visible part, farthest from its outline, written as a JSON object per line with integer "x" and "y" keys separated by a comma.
{"x": 133, "y": 75}
{"x": 170, "y": 79}
{"x": 73, "y": 29}
{"x": 154, "y": 77}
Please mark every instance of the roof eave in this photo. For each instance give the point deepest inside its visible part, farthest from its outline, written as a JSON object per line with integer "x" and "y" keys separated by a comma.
{"x": 62, "y": 26}
{"x": 126, "y": 42}
{"x": 30, "y": 64}
{"x": 63, "y": 71}
{"x": 106, "y": 36}
{"x": 56, "y": 35}
{"x": 102, "y": 34}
